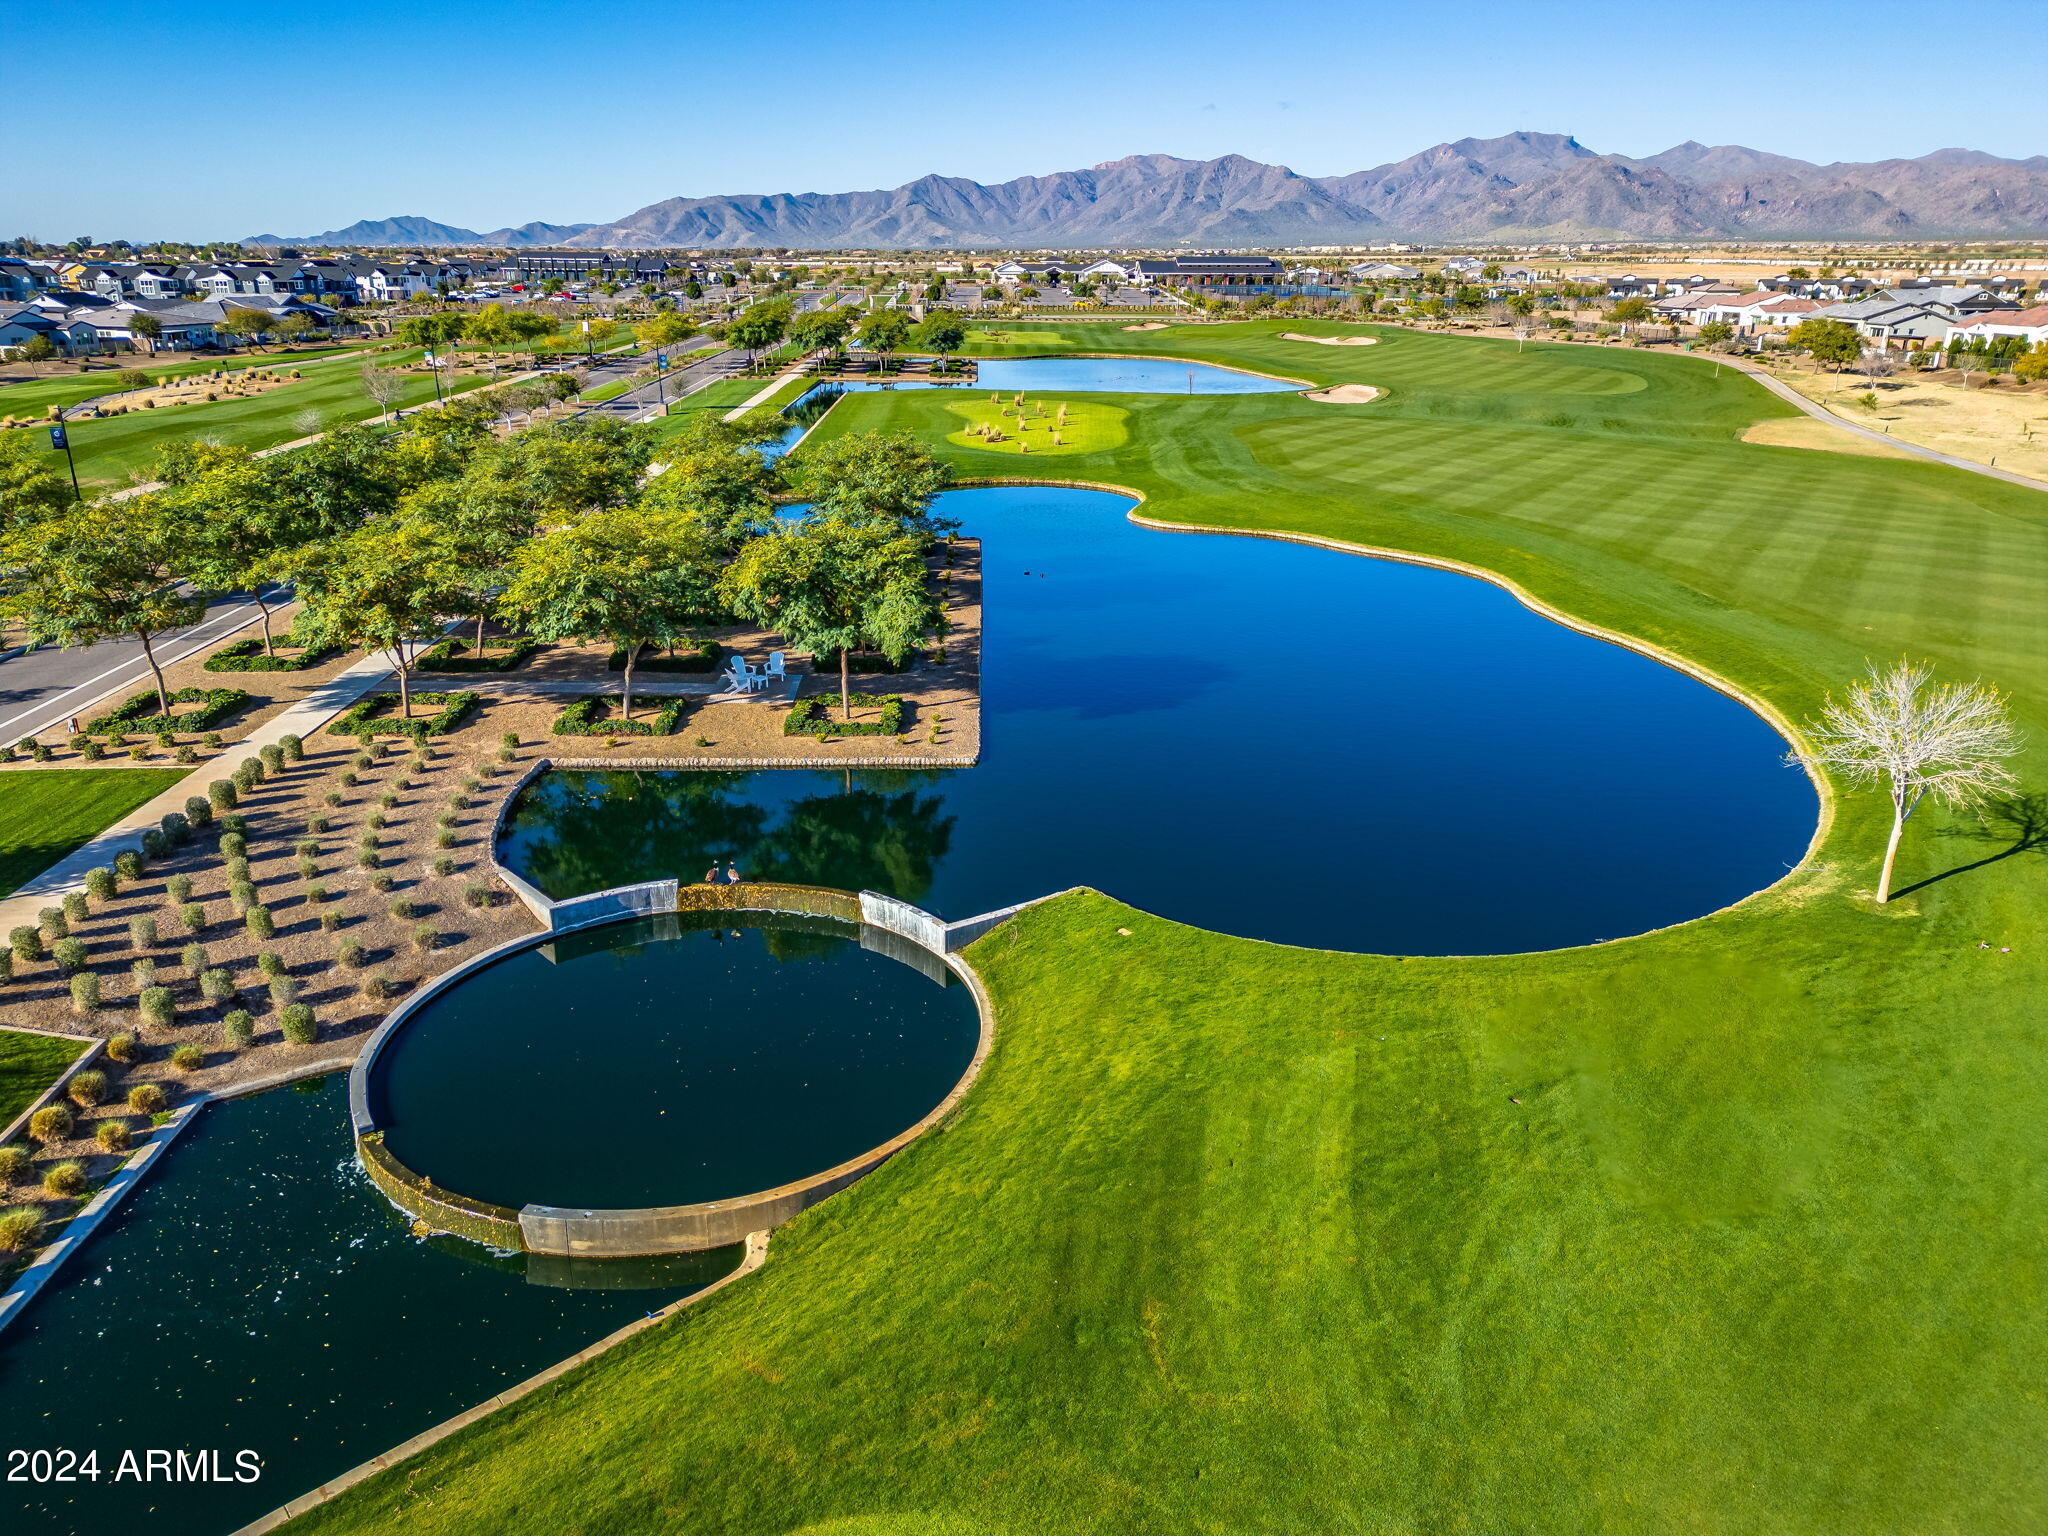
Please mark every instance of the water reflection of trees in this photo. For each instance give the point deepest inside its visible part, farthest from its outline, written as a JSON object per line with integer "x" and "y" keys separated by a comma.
{"x": 580, "y": 832}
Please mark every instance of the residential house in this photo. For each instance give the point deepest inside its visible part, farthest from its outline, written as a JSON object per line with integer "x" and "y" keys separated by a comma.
{"x": 1383, "y": 272}
{"x": 23, "y": 322}
{"x": 1210, "y": 270}
{"x": 2029, "y": 325}
{"x": 22, "y": 280}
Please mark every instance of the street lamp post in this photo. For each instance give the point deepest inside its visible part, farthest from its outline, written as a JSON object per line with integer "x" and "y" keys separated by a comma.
{"x": 60, "y": 438}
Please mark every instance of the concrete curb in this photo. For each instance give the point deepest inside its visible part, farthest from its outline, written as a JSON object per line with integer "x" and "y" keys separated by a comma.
{"x": 756, "y": 1256}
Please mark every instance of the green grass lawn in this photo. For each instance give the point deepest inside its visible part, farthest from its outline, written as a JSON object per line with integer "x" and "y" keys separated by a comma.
{"x": 28, "y": 1065}
{"x": 1087, "y": 427}
{"x": 47, "y": 812}
{"x": 111, "y": 451}
{"x": 34, "y": 396}
{"x": 1733, "y": 1228}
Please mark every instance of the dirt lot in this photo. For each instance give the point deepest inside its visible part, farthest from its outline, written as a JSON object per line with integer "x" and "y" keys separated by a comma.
{"x": 2003, "y": 423}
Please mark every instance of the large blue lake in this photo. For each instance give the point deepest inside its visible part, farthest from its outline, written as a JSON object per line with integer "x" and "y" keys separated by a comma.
{"x": 1263, "y": 738}
{"x": 1117, "y": 375}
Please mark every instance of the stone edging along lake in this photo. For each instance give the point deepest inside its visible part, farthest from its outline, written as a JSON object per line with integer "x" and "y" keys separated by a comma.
{"x": 586, "y": 1233}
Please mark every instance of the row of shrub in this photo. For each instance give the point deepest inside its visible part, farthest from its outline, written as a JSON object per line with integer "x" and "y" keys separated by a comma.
{"x": 293, "y": 655}
{"x": 373, "y": 716}
{"x": 453, "y": 655}
{"x": 142, "y": 713}
{"x": 812, "y": 716}
{"x": 596, "y": 714}
{"x": 703, "y": 657}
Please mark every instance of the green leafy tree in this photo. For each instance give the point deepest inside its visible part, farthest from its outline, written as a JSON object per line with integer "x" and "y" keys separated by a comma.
{"x": 882, "y": 478}
{"x": 1632, "y": 311}
{"x": 883, "y": 332}
{"x": 103, "y": 570}
{"x": 251, "y": 325}
{"x": 148, "y": 328}
{"x": 36, "y": 350}
{"x": 1827, "y": 341}
{"x": 2031, "y": 366}
{"x": 385, "y": 586}
{"x": 821, "y": 330}
{"x": 828, "y": 585}
{"x": 242, "y": 533}
{"x": 30, "y": 487}
{"x": 714, "y": 475}
{"x": 940, "y": 332}
{"x": 635, "y": 575}
{"x": 759, "y": 327}
{"x": 295, "y": 326}
{"x": 1715, "y": 332}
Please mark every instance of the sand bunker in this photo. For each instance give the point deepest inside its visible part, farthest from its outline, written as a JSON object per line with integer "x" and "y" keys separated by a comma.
{"x": 1346, "y": 394}
{"x": 1149, "y": 325}
{"x": 1332, "y": 341}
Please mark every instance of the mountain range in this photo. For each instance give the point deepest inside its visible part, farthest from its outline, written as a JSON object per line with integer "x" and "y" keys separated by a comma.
{"x": 1520, "y": 187}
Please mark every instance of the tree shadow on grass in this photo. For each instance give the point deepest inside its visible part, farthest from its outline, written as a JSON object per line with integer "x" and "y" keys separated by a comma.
{"x": 2020, "y": 822}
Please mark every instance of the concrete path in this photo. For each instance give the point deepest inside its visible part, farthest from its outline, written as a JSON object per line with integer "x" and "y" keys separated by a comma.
{"x": 1820, "y": 412}
{"x": 319, "y": 706}
{"x": 794, "y": 371}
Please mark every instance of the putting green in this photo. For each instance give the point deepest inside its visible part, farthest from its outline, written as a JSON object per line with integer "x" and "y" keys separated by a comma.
{"x": 1732, "y": 1228}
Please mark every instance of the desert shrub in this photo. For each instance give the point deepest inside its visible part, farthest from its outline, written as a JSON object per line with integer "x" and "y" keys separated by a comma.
{"x": 75, "y": 909}
{"x": 242, "y": 896}
{"x": 193, "y": 915}
{"x": 14, "y": 1161}
{"x": 306, "y": 847}
{"x": 261, "y": 924}
{"x": 154, "y": 844}
{"x": 444, "y": 867}
{"x": 51, "y": 1124}
{"x": 294, "y": 747}
{"x": 403, "y": 908}
{"x": 389, "y": 800}
{"x": 85, "y": 993}
{"x": 175, "y": 827}
{"x": 273, "y": 759}
{"x": 237, "y": 870}
{"x": 144, "y": 972}
{"x": 186, "y": 754}
{"x": 446, "y": 839}
{"x": 238, "y": 1029}
{"x": 353, "y": 954}
{"x": 113, "y": 1135}
{"x": 330, "y": 922}
{"x": 234, "y": 845}
{"x": 100, "y": 883}
{"x": 367, "y": 859}
{"x": 158, "y": 1007}
{"x": 198, "y": 810}
{"x": 179, "y": 888}
{"x": 124, "y": 1048}
{"x": 308, "y": 868}
{"x": 351, "y": 780}
{"x": 20, "y": 1226}
{"x": 128, "y": 864}
{"x": 65, "y": 1180}
{"x": 383, "y": 884}
{"x": 506, "y": 754}
{"x": 92, "y": 752}
{"x": 142, "y": 931}
{"x": 69, "y": 955}
{"x": 188, "y": 1058}
{"x": 53, "y": 923}
{"x": 217, "y": 985}
{"x": 425, "y": 938}
{"x": 481, "y": 896}
{"x": 316, "y": 893}
{"x": 297, "y": 1026}
{"x": 25, "y": 943}
{"x": 236, "y": 823}
{"x": 87, "y": 1088}
{"x": 147, "y": 1099}
{"x": 271, "y": 964}
{"x": 284, "y": 990}
{"x": 248, "y": 774}
{"x": 378, "y": 987}
{"x": 332, "y": 797}
{"x": 6, "y": 965}
{"x": 376, "y": 821}
{"x": 447, "y": 820}
{"x": 510, "y": 740}
{"x": 193, "y": 958}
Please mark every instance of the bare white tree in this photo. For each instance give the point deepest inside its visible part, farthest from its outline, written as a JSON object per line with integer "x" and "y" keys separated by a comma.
{"x": 383, "y": 386}
{"x": 1913, "y": 737}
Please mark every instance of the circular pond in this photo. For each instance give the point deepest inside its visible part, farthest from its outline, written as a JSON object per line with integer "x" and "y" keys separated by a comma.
{"x": 671, "y": 1061}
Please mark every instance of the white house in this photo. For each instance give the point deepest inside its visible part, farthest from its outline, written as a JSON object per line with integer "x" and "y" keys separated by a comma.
{"x": 1384, "y": 272}
{"x": 2030, "y": 325}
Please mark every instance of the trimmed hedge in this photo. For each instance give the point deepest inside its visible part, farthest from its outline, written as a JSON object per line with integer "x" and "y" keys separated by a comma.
{"x": 451, "y": 655}
{"x": 812, "y": 716}
{"x": 704, "y": 658}
{"x": 594, "y": 715}
{"x": 247, "y": 656}
{"x": 138, "y": 715}
{"x": 372, "y": 716}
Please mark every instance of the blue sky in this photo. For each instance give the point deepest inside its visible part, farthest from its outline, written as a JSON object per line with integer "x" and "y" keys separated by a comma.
{"x": 285, "y": 120}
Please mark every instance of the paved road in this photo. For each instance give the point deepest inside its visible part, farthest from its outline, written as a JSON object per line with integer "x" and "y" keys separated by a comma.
{"x": 44, "y": 688}
{"x": 645, "y": 402}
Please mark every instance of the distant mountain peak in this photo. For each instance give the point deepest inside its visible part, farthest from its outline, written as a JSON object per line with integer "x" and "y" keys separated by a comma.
{"x": 1524, "y": 185}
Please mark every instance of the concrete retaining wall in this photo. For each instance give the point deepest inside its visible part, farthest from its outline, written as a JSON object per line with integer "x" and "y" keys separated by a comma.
{"x": 495, "y": 1226}
{"x": 620, "y": 901}
{"x": 914, "y": 923}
